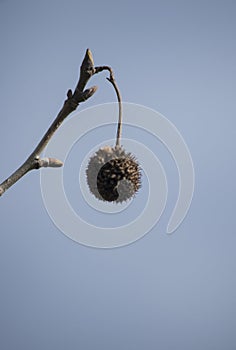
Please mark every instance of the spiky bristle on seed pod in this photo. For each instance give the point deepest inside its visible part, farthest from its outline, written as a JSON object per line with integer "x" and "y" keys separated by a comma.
{"x": 113, "y": 175}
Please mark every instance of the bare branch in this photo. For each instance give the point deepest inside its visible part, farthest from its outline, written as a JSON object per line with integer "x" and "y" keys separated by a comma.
{"x": 87, "y": 70}
{"x": 71, "y": 103}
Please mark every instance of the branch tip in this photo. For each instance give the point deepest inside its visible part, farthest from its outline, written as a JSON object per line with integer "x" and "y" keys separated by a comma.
{"x": 89, "y": 56}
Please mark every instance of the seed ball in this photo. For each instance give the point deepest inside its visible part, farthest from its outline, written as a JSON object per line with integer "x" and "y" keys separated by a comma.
{"x": 113, "y": 175}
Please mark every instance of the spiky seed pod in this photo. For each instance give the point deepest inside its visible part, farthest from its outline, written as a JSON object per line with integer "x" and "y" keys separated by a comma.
{"x": 113, "y": 175}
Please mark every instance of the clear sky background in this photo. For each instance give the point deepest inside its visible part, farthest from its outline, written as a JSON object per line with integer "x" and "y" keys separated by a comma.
{"x": 162, "y": 292}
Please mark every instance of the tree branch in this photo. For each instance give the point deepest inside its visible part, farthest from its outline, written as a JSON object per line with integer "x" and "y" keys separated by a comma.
{"x": 87, "y": 70}
{"x": 73, "y": 100}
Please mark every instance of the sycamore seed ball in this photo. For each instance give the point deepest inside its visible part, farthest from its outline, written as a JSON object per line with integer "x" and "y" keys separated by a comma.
{"x": 113, "y": 175}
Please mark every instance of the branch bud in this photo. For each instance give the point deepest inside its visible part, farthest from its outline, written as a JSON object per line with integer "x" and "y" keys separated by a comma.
{"x": 50, "y": 162}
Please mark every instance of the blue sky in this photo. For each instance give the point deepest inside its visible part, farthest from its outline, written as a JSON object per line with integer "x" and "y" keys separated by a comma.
{"x": 166, "y": 292}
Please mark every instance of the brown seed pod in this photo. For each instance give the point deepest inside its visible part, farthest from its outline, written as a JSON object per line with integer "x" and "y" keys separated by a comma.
{"x": 113, "y": 175}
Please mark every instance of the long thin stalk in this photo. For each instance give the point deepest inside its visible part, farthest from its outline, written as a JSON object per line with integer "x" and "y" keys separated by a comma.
{"x": 111, "y": 79}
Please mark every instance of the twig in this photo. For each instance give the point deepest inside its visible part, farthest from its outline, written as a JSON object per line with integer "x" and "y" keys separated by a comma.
{"x": 87, "y": 70}
{"x": 71, "y": 103}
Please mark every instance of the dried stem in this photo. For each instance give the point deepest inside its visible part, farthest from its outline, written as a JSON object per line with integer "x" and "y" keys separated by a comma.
{"x": 111, "y": 79}
{"x": 87, "y": 70}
